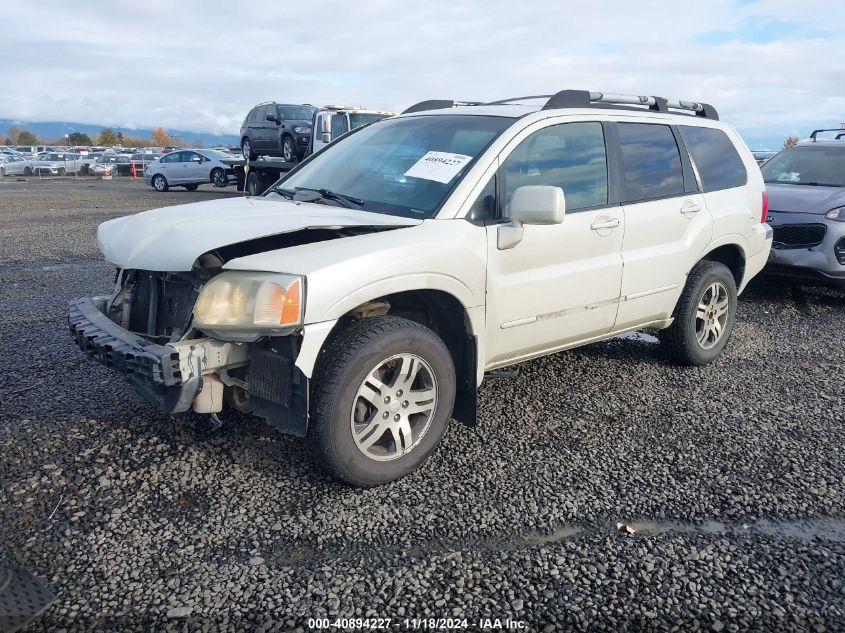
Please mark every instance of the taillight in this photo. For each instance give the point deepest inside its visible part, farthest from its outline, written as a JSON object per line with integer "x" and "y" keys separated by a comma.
{"x": 765, "y": 213}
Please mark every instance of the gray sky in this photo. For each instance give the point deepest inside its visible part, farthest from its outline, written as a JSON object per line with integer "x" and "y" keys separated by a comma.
{"x": 771, "y": 67}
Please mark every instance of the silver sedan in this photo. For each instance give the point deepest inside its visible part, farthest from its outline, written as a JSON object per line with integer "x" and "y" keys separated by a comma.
{"x": 11, "y": 165}
{"x": 189, "y": 168}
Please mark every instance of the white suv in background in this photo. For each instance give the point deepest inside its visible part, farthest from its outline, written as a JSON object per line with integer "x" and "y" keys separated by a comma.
{"x": 360, "y": 301}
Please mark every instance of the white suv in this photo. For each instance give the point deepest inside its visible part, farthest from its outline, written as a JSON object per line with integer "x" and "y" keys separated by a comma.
{"x": 361, "y": 300}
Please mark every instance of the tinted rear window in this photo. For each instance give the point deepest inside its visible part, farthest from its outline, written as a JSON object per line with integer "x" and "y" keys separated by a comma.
{"x": 715, "y": 157}
{"x": 651, "y": 161}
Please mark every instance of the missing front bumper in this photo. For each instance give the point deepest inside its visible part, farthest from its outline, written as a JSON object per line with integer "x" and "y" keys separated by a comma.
{"x": 156, "y": 372}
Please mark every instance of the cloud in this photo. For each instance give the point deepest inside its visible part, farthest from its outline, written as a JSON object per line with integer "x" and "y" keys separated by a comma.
{"x": 200, "y": 66}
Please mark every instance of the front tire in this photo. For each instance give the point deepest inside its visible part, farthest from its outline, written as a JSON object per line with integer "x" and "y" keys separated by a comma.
{"x": 704, "y": 316}
{"x": 62, "y": 171}
{"x": 191, "y": 187}
{"x": 381, "y": 399}
{"x": 218, "y": 178}
{"x": 160, "y": 183}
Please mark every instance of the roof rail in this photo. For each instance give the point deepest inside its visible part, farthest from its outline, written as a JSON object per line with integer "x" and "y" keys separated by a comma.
{"x": 582, "y": 99}
{"x": 828, "y": 129}
{"x": 438, "y": 104}
{"x": 585, "y": 99}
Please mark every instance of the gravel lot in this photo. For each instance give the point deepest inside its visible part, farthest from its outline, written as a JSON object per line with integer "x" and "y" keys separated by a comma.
{"x": 733, "y": 475}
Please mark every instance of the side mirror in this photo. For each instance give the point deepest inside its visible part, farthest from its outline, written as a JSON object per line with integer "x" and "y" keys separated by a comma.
{"x": 326, "y": 137}
{"x": 273, "y": 118}
{"x": 533, "y": 204}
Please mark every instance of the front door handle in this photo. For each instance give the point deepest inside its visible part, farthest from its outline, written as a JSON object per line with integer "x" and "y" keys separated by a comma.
{"x": 690, "y": 207}
{"x": 611, "y": 223}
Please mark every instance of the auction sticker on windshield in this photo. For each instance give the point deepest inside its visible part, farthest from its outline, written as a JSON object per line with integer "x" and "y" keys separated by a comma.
{"x": 438, "y": 166}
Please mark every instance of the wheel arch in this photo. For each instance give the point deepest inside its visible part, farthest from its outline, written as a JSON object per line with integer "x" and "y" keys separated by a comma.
{"x": 459, "y": 327}
{"x": 731, "y": 254}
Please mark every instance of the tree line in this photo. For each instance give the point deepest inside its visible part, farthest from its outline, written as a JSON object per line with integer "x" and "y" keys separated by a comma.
{"x": 159, "y": 137}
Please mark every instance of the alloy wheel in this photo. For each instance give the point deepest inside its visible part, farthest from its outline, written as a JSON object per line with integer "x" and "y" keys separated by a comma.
{"x": 394, "y": 407}
{"x": 711, "y": 316}
{"x": 287, "y": 150}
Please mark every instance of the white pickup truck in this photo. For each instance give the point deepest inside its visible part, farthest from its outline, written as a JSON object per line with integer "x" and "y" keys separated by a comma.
{"x": 361, "y": 300}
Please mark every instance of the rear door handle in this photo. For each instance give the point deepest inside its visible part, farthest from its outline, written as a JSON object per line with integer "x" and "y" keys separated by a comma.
{"x": 690, "y": 207}
{"x": 612, "y": 223}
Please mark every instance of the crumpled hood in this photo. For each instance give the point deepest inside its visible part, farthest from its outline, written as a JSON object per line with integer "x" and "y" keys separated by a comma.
{"x": 804, "y": 198}
{"x": 172, "y": 238}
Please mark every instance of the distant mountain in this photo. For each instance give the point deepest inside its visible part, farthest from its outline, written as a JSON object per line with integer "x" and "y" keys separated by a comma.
{"x": 54, "y": 130}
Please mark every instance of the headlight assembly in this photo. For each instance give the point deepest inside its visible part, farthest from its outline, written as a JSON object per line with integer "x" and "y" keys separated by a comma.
{"x": 836, "y": 214}
{"x": 301, "y": 129}
{"x": 250, "y": 303}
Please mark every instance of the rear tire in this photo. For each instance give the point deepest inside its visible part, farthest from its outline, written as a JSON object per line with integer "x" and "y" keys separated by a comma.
{"x": 27, "y": 171}
{"x": 247, "y": 150}
{"x": 160, "y": 183}
{"x": 704, "y": 316}
{"x": 191, "y": 187}
{"x": 381, "y": 397}
{"x": 254, "y": 185}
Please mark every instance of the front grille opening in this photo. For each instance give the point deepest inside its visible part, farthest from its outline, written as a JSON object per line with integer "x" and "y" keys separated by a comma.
{"x": 162, "y": 303}
{"x": 839, "y": 251}
{"x": 798, "y": 235}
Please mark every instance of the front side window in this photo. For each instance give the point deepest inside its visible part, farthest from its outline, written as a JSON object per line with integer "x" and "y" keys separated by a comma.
{"x": 404, "y": 166}
{"x": 571, "y": 156}
{"x": 809, "y": 165}
{"x": 718, "y": 164}
{"x": 651, "y": 161}
{"x": 191, "y": 157}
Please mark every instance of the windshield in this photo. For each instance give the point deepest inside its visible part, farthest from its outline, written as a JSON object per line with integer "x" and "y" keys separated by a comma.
{"x": 807, "y": 166}
{"x": 357, "y": 119}
{"x": 297, "y": 113}
{"x": 403, "y": 166}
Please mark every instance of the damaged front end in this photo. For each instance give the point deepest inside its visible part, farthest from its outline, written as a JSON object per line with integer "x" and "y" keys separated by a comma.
{"x": 154, "y": 329}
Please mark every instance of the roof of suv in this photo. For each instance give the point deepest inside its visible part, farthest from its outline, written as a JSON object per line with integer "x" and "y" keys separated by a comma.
{"x": 570, "y": 100}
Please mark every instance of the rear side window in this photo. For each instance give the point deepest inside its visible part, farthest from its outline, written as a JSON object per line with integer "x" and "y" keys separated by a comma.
{"x": 571, "y": 156}
{"x": 715, "y": 157}
{"x": 651, "y": 161}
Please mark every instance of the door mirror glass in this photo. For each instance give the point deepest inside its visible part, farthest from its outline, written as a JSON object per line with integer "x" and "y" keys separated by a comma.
{"x": 326, "y": 137}
{"x": 272, "y": 118}
{"x": 537, "y": 204}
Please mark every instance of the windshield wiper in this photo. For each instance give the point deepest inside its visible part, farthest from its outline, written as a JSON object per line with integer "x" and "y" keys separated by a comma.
{"x": 350, "y": 202}
{"x": 289, "y": 193}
